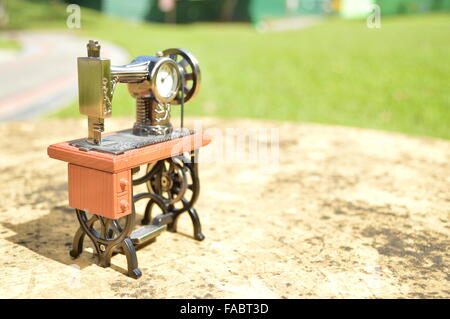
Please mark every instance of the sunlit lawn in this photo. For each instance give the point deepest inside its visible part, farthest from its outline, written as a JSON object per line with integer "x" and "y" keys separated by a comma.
{"x": 9, "y": 44}
{"x": 394, "y": 78}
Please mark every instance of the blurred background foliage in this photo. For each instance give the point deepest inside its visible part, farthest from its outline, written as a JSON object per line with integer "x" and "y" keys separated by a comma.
{"x": 337, "y": 71}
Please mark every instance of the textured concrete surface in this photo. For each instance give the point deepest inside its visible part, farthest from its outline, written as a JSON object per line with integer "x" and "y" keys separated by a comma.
{"x": 348, "y": 213}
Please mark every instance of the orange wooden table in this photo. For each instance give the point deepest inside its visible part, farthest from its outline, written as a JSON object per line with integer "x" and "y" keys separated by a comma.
{"x": 101, "y": 183}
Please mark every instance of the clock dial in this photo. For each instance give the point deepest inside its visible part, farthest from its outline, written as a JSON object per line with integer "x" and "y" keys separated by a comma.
{"x": 167, "y": 80}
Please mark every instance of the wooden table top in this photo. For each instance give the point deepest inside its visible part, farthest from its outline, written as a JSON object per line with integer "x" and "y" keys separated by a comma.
{"x": 115, "y": 163}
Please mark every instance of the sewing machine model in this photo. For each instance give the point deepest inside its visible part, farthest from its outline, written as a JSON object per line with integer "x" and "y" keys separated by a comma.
{"x": 106, "y": 169}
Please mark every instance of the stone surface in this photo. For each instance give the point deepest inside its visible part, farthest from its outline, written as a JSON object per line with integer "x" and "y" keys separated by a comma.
{"x": 346, "y": 213}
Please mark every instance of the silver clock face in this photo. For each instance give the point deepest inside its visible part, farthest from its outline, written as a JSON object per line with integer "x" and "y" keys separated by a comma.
{"x": 167, "y": 81}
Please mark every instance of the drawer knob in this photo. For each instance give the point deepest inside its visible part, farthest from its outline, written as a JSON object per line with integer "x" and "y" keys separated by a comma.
{"x": 123, "y": 205}
{"x": 123, "y": 182}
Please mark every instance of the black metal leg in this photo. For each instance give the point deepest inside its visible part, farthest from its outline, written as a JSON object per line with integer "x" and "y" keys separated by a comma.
{"x": 172, "y": 227}
{"x": 77, "y": 246}
{"x": 198, "y": 235}
{"x": 78, "y": 240}
{"x": 132, "y": 261}
{"x": 104, "y": 257}
{"x": 196, "y": 224}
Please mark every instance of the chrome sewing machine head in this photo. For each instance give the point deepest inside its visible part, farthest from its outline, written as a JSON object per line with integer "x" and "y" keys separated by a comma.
{"x": 156, "y": 82}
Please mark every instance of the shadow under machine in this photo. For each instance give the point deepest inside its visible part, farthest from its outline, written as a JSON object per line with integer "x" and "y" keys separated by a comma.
{"x": 104, "y": 171}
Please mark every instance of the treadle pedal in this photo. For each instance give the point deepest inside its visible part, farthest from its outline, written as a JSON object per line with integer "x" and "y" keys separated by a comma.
{"x": 146, "y": 233}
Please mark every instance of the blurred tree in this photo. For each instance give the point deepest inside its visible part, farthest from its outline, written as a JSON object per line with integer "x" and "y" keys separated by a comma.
{"x": 92, "y": 4}
{"x": 170, "y": 10}
{"x": 228, "y": 8}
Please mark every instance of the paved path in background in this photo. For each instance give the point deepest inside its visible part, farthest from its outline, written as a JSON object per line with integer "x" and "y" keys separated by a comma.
{"x": 42, "y": 77}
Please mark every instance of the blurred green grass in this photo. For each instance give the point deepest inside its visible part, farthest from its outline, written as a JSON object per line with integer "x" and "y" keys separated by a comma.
{"x": 338, "y": 72}
{"x": 7, "y": 43}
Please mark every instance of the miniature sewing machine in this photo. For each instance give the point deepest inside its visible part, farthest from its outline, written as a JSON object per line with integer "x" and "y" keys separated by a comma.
{"x": 101, "y": 167}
